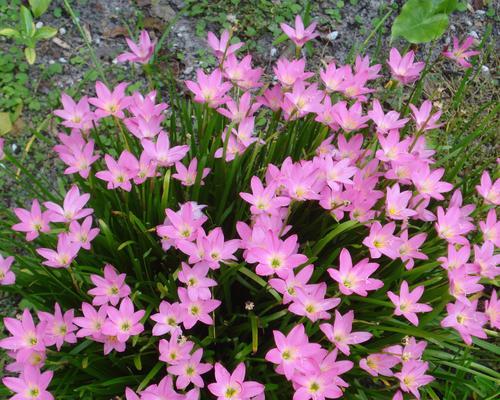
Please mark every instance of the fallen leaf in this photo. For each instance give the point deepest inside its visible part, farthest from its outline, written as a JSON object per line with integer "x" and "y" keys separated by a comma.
{"x": 116, "y": 31}
{"x": 61, "y": 43}
{"x": 5, "y": 123}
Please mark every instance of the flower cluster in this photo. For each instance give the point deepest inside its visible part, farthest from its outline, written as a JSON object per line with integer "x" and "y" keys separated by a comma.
{"x": 370, "y": 169}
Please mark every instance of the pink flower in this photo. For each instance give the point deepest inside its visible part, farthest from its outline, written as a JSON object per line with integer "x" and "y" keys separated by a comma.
{"x": 403, "y": 68}
{"x": 26, "y": 338}
{"x": 92, "y": 321}
{"x": 196, "y": 310}
{"x": 146, "y": 169}
{"x": 300, "y": 35}
{"x": 187, "y": 176}
{"x": 406, "y": 303}
{"x": 271, "y": 98}
{"x": 215, "y": 250}
{"x": 412, "y": 350}
{"x": 141, "y": 52}
{"x": 317, "y": 383}
{"x": 31, "y": 384}
{"x": 59, "y": 327}
{"x": 109, "y": 289}
{"x": 236, "y": 112}
{"x": 428, "y": 182}
{"x": 333, "y": 77}
{"x": 393, "y": 149}
{"x": 123, "y": 322}
{"x": 241, "y": 73}
{"x": 190, "y": 371}
{"x": 233, "y": 386}
{"x": 488, "y": 190}
{"x": 487, "y": 261}
{"x": 168, "y": 319}
{"x": 110, "y": 102}
{"x": 63, "y": 256}
{"x": 119, "y": 173}
{"x": 492, "y": 310}
{"x": 32, "y": 222}
{"x": 161, "y": 151}
{"x": 290, "y": 71}
{"x": 424, "y": 120}
{"x": 355, "y": 279}
{"x": 310, "y": 302}
{"x": 291, "y": 351}
{"x": 72, "y": 208}
{"x": 340, "y": 333}
{"x": 78, "y": 158}
{"x": 7, "y": 277}
{"x": 386, "y": 122}
{"x": 276, "y": 256}
{"x": 379, "y": 364}
{"x": 288, "y": 287}
{"x": 396, "y": 203}
{"x": 381, "y": 240}
{"x": 179, "y": 226}
{"x": 222, "y": 48}
{"x": 337, "y": 172}
{"x": 209, "y": 88}
{"x": 412, "y": 376}
{"x": 462, "y": 284}
{"x": 465, "y": 320}
{"x": 491, "y": 228}
{"x": 75, "y": 115}
{"x": 350, "y": 119}
{"x": 175, "y": 350}
{"x": 196, "y": 280}
{"x": 409, "y": 250}
{"x": 451, "y": 227}
{"x": 264, "y": 200}
{"x": 460, "y": 53}
{"x": 83, "y": 234}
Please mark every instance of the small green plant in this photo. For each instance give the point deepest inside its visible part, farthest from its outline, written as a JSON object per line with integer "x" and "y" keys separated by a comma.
{"x": 27, "y": 34}
{"x": 422, "y": 21}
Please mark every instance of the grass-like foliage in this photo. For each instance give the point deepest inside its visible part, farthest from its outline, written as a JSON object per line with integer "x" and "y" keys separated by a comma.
{"x": 258, "y": 238}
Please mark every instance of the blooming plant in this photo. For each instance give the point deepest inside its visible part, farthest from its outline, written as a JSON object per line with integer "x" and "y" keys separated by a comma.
{"x": 289, "y": 239}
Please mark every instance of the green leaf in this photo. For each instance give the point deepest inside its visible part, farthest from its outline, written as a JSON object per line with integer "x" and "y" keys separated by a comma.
{"x": 26, "y": 20}
{"x": 38, "y": 7}
{"x": 422, "y": 21}
{"x": 9, "y": 32}
{"x": 30, "y": 55}
{"x": 45, "y": 32}
{"x": 5, "y": 123}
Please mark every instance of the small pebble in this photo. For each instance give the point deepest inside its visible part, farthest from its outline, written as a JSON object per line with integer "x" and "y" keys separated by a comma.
{"x": 62, "y": 31}
{"x": 485, "y": 70}
{"x": 480, "y": 12}
{"x": 274, "y": 50}
{"x": 332, "y": 35}
{"x": 51, "y": 62}
{"x": 468, "y": 22}
{"x": 474, "y": 34}
{"x": 62, "y": 60}
{"x": 39, "y": 24}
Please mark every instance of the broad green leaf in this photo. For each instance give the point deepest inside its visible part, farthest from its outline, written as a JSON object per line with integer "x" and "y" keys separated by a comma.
{"x": 5, "y": 123}
{"x": 38, "y": 7}
{"x": 45, "y": 32}
{"x": 9, "y": 32}
{"x": 30, "y": 55}
{"x": 421, "y": 21}
{"x": 26, "y": 20}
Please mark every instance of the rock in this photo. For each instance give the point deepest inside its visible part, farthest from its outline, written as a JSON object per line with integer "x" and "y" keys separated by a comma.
{"x": 332, "y": 35}
{"x": 161, "y": 9}
{"x": 273, "y": 52}
{"x": 485, "y": 70}
{"x": 39, "y": 24}
{"x": 474, "y": 34}
{"x": 188, "y": 70}
{"x": 62, "y": 31}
